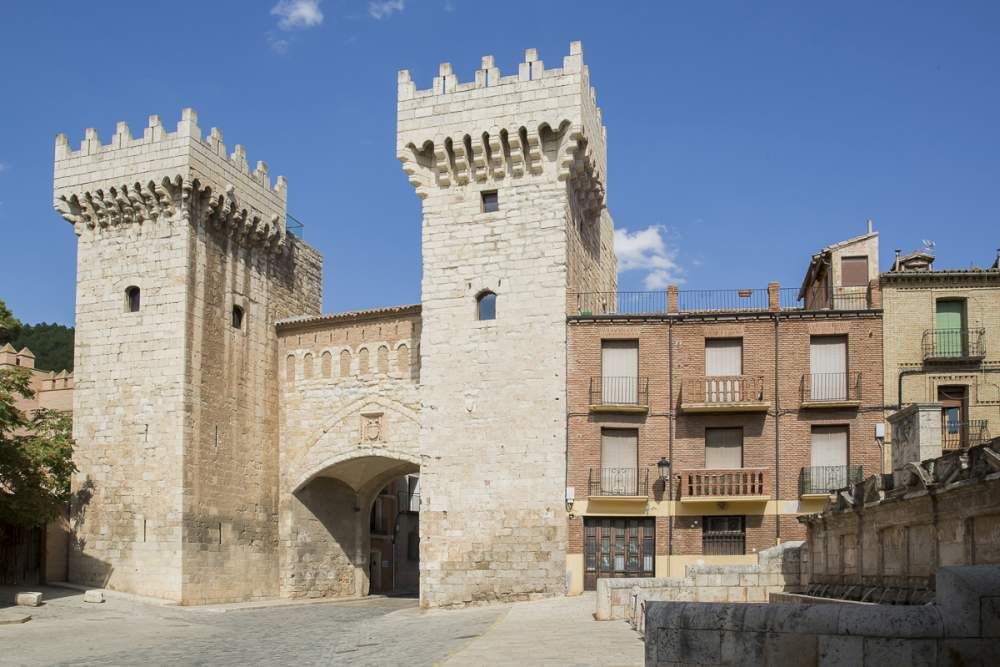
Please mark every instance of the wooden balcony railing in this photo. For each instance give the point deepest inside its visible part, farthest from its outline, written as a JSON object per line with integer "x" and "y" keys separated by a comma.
{"x": 723, "y": 393}
{"x": 731, "y": 484}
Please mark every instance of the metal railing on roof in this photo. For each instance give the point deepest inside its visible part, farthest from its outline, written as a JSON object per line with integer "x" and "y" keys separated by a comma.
{"x": 294, "y": 226}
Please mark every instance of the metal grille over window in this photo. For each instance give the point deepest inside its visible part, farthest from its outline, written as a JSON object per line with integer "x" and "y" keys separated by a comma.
{"x": 723, "y": 536}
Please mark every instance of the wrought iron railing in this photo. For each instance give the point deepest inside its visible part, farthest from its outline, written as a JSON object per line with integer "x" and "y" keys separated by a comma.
{"x": 726, "y": 483}
{"x": 824, "y": 479}
{"x": 856, "y": 301}
{"x": 633, "y": 391}
{"x": 294, "y": 226}
{"x": 962, "y": 435}
{"x": 723, "y": 543}
{"x": 620, "y": 303}
{"x": 618, "y": 482}
{"x": 723, "y": 300}
{"x": 945, "y": 344}
{"x": 723, "y": 389}
{"x": 789, "y": 299}
{"x": 831, "y": 387}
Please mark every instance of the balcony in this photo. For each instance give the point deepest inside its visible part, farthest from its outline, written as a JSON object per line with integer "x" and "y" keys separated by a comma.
{"x": 618, "y": 483}
{"x": 736, "y": 484}
{"x": 819, "y": 481}
{"x": 962, "y": 435}
{"x": 723, "y": 393}
{"x": 831, "y": 390}
{"x": 619, "y": 394}
{"x": 943, "y": 345}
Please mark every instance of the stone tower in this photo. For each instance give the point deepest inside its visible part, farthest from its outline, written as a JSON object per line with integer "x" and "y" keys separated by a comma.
{"x": 493, "y": 435}
{"x": 183, "y": 266}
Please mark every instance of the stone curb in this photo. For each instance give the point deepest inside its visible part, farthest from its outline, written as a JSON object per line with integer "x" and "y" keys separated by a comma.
{"x": 13, "y": 617}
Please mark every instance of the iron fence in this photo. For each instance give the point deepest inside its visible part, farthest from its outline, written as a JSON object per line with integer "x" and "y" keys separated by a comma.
{"x": 850, "y": 302}
{"x": 619, "y": 391}
{"x": 832, "y": 387}
{"x": 789, "y": 299}
{"x": 618, "y": 482}
{"x": 621, "y": 303}
{"x": 964, "y": 434}
{"x": 824, "y": 479}
{"x": 723, "y": 543}
{"x": 722, "y": 300}
{"x": 946, "y": 344}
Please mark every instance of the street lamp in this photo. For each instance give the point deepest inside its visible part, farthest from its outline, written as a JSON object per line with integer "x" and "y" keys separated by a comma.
{"x": 664, "y": 467}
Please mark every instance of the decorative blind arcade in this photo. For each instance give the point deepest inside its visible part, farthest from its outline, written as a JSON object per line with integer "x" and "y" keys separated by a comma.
{"x": 620, "y": 372}
{"x": 723, "y": 368}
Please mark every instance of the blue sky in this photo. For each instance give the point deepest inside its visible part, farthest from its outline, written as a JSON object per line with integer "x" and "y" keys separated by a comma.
{"x": 742, "y": 136}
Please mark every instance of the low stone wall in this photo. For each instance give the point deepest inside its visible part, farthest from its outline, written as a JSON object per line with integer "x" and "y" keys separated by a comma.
{"x": 777, "y": 569}
{"x": 961, "y": 628}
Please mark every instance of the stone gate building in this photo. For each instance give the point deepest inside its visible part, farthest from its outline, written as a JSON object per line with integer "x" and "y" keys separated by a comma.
{"x": 232, "y": 440}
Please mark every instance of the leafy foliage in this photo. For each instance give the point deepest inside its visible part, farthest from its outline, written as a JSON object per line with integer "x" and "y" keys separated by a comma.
{"x": 52, "y": 345}
{"x": 36, "y": 456}
{"x": 10, "y": 326}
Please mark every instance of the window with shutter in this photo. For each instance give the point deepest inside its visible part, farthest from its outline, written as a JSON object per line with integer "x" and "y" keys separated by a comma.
{"x": 828, "y": 366}
{"x": 723, "y": 368}
{"x": 723, "y": 448}
{"x": 620, "y": 371}
{"x": 853, "y": 271}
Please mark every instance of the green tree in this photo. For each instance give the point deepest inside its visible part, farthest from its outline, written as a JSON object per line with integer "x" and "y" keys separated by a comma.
{"x": 10, "y": 326}
{"x": 36, "y": 456}
{"x": 52, "y": 345}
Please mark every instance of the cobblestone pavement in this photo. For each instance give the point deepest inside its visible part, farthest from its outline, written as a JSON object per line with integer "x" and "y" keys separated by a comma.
{"x": 372, "y": 631}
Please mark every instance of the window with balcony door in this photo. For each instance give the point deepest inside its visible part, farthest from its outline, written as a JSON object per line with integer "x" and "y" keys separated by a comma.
{"x": 620, "y": 372}
{"x": 619, "y": 461}
{"x": 724, "y": 370}
{"x": 949, "y": 328}
{"x": 954, "y": 420}
{"x": 828, "y": 368}
{"x": 828, "y": 456}
{"x": 723, "y": 448}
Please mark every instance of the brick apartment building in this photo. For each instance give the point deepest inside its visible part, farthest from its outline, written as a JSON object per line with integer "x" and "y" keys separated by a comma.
{"x": 702, "y": 423}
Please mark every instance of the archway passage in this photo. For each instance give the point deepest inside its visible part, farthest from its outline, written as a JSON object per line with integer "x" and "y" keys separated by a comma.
{"x": 394, "y": 538}
{"x": 353, "y": 529}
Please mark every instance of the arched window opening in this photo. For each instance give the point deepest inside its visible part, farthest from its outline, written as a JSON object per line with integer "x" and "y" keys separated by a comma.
{"x": 486, "y": 306}
{"x": 363, "y": 361}
{"x": 237, "y": 317}
{"x": 290, "y": 368}
{"x": 383, "y": 360}
{"x": 403, "y": 360}
{"x": 345, "y": 363}
{"x": 132, "y": 299}
{"x": 307, "y": 366}
{"x": 326, "y": 364}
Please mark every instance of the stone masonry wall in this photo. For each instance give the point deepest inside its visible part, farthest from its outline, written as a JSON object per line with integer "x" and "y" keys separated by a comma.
{"x": 349, "y": 423}
{"x": 176, "y": 449}
{"x": 493, "y": 522}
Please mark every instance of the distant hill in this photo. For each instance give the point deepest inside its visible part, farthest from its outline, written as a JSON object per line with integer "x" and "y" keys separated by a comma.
{"x": 52, "y": 345}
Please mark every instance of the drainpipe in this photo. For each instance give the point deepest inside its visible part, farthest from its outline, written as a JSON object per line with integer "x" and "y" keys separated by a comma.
{"x": 669, "y": 482}
{"x": 777, "y": 433}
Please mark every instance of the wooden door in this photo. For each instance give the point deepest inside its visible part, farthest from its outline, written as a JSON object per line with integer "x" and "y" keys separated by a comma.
{"x": 949, "y": 322}
{"x": 618, "y": 548}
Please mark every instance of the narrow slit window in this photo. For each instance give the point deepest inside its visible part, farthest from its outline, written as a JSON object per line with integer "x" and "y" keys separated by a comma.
{"x": 132, "y": 299}
{"x": 491, "y": 202}
{"x": 486, "y": 306}
{"x": 237, "y": 317}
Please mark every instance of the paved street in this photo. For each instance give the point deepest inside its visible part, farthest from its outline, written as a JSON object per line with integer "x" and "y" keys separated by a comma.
{"x": 373, "y": 631}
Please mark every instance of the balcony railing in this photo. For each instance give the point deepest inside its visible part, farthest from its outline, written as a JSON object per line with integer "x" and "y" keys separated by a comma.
{"x": 723, "y": 543}
{"x": 632, "y": 482}
{"x": 820, "y": 388}
{"x": 962, "y": 435}
{"x": 821, "y": 480}
{"x": 620, "y": 303}
{"x": 954, "y": 344}
{"x": 722, "y": 300}
{"x": 723, "y": 393}
{"x": 731, "y": 484}
{"x": 857, "y": 301}
{"x": 619, "y": 391}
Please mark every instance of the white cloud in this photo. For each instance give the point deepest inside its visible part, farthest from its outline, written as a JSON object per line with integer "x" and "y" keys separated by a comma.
{"x": 648, "y": 250}
{"x": 297, "y": 14}
{"x": 383, "y": 9}
{"x": 277, "y": 44}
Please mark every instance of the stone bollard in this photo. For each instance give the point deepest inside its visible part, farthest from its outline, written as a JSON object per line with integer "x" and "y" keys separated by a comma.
{"x": 28, "y": 599}
{"x": 93, "y": 596}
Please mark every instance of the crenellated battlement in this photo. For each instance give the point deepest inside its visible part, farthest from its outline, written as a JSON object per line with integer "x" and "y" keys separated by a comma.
{"x": 495, "y": 127}
{"x": 137, "y": 178}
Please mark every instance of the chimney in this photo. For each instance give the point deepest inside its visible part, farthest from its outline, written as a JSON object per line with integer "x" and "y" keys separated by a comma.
{"x": 869, "y": 225}
{"x": 895, "y": 265}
